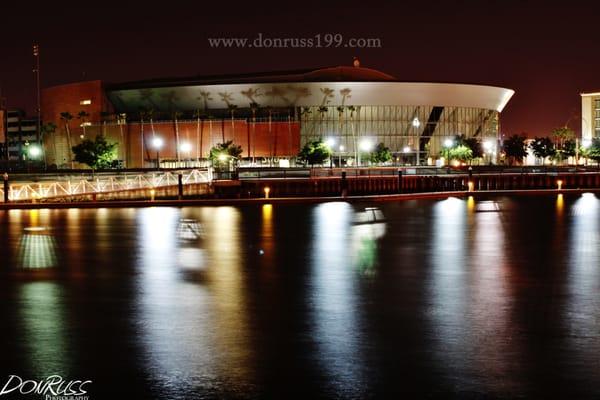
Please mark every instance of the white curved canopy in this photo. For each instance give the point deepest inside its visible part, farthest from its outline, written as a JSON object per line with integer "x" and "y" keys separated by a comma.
{"x": 304, "y": 94}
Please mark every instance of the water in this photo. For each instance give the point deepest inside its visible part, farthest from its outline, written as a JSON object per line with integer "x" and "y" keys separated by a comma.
{"x": 453, "y": 298}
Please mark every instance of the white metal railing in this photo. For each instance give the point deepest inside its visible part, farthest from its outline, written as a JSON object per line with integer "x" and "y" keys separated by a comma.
{"x": 103, "y": 184}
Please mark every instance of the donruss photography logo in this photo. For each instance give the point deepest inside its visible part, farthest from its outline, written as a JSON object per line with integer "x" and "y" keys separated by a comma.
{"x": 53, "y": 387}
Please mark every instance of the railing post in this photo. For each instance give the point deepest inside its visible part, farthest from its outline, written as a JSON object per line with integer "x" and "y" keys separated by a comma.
{"x": 400, "y": 181}
{"x": 344, "y": 184}
{"x": 6, "y": 187}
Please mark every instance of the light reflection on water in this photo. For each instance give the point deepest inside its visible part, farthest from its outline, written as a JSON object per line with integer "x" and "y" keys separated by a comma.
{"x": 583, "y": 310}
{"x": 334, "y": 298}
{"x": 212, "y": 315}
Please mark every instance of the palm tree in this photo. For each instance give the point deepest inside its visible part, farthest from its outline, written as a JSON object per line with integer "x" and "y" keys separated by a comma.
{"x": 198, "y": 116}
{"x": 50, "y": 130}
{"x": 82, "y": 116}
{"x": 232, "y": 108}
{"x": 254, "y": 106}
{"x": 176, "y": 115}
{"x": 66, "y": 117}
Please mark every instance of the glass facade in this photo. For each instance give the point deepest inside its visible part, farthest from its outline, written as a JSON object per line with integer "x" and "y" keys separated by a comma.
{"x": 404, "y": 129}
{"x": 596, "y": 113}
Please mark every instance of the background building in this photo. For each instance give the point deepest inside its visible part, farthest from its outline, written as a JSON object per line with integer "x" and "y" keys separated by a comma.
{"x": 590, "y": 116}
{"x": 20, "y": 133}
{"x": 271, "y": 115}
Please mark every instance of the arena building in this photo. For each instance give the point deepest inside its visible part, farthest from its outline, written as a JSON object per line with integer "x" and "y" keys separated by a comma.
{"x": 271, "y": 115}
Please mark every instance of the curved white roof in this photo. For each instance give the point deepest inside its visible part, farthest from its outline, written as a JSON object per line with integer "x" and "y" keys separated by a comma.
{"x": 304, "y": 94}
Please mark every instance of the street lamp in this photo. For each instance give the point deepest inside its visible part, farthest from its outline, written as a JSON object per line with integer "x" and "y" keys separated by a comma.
{"x": 157, "y": 143}
{"x": 416, "y": 123}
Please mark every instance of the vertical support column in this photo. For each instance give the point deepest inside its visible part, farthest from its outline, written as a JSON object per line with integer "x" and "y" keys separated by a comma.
{"x": 180, "y": 186}
{"x": 344, "y": 184}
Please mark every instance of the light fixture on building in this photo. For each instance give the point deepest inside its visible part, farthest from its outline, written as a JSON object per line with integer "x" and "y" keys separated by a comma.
{"x": 185, "y": 147}
{"x": 366, "y": 145}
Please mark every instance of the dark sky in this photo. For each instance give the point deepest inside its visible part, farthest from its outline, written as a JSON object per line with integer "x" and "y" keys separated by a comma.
{"x": 547, "y": 53}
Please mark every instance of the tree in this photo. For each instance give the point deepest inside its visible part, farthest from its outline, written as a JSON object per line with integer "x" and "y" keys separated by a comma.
{"x": 472, "y": 143}
{"x": 562, "y": 134}
{"x": 98, "y": 153}
{"x": 543, "y": 148}
{"x": 569, "y": 149}
{"x": 563, "y": 137}
{"x": 381, "y": 154}
{"x": 461, "y": 153}
{"x": 66, "y": 117}
{"x": 223, "y": 154}
{"x": 315, "y": 152}
{"x": 514, "y": 148}
{"x": 593, "y": 151}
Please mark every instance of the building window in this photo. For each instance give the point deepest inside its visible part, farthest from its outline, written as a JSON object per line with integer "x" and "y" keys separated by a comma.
{"x": 86, "y": 124}
{"x": 86, "y": 102}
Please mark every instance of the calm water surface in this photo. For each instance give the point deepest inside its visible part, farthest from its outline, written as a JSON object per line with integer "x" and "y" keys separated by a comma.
{"x": 459, "y": 298}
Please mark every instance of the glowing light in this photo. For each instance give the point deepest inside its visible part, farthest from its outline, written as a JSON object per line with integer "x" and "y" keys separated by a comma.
{"x": 342, "y": 148}
{"x": 559, "y": 184}
{"x": 416, "y": 123}
{"x": 586, "y": 143}
{"x": 560, "y": 204}
{"x": 222, "y": 157}
{"x": 267, "y": 191}
{"x": 157, "y": 143}
{"x": 366, "y": 145}
{"x": 471, "y": 186}
{"x": 448, "y": 143}
{"x": 330, "y": 142}
{"x": 185, "y": 147}
{"x": 487, "y": 145}
{"x": 470, "y": 203}
{"x": 34, "y": 151}
{"x": 406, "y": 149}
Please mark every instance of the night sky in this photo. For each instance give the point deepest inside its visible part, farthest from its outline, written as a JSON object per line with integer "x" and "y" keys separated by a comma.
{"x": 547, "y": 53}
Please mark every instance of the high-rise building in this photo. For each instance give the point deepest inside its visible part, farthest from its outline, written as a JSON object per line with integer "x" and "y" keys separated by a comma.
{"x": 590, "y": 115}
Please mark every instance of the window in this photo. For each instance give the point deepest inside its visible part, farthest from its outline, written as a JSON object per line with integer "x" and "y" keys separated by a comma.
{"x": 86, "y": 124}
{"x": 86, "y": 102}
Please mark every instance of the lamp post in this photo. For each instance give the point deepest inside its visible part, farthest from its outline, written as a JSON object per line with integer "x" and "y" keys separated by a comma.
{"x": 157, "y": 143}
{"x": 416, "y": 123}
